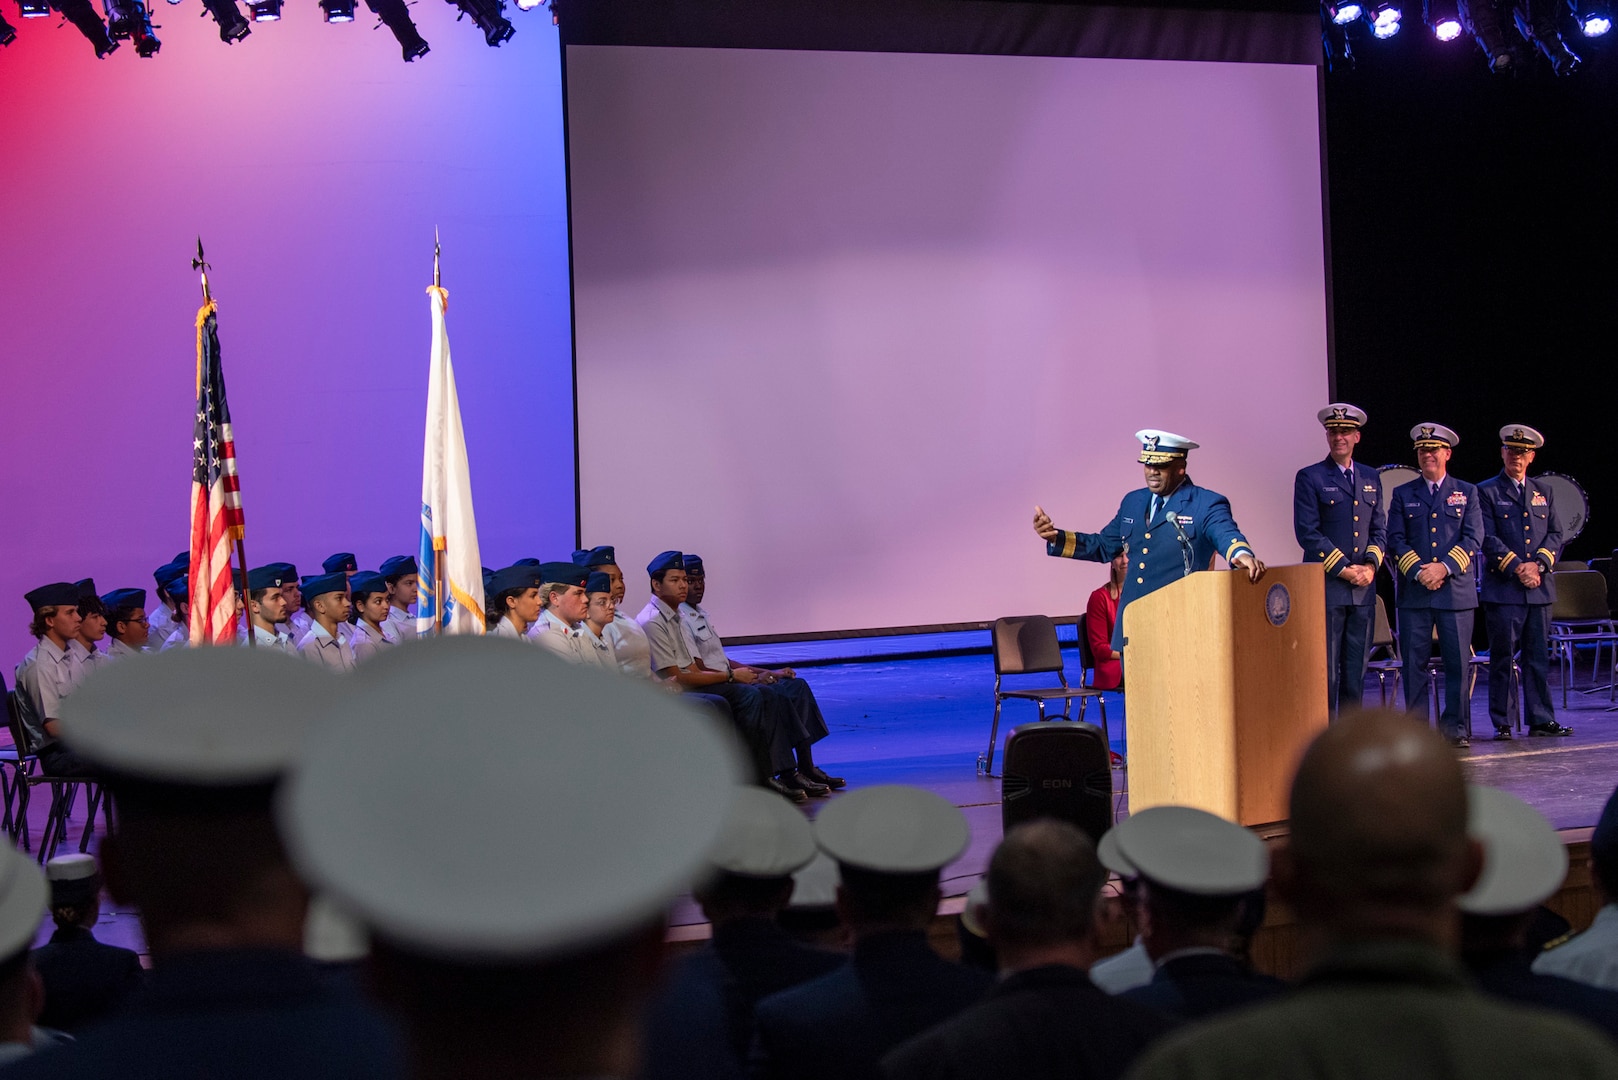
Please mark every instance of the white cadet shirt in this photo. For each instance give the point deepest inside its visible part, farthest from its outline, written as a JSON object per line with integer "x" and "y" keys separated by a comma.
{"x": 1590, "y": 957}
{"x": 117, "y": 650}
{"x": 595, "y": 651}
{"x": 664, "y": 635}
{"x": 86, "y": 656}
{"x": 552, "y": 633}
{"x": 403, "y": 623}
{"x": 366, "y": 642}
{"x": 178, "y": 639}
{"x": 263, "y": 639}
{"x": 1125, "y": 971}
{"x": 46, "y": 675}
{"x": 506, "y": 628}
{"x": 161, "y": 623}
{"x": 629, "y": 645}
{"x": 704, "y": 641}
{"x": 323, "y": 649}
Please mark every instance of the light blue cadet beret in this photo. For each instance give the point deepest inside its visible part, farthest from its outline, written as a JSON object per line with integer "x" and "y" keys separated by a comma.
{"x": 488, "y": 581}
{"x": 1524, "y": 861}
{"x": 668, "y": 560}
{"x": 517, "y": 576}
{"x": 1340, "y": 415}
{"x": 124, "y": 598}
{"x": 399, "y": 566}
{"x": 87, "y": 589}
{"x": 693, "y": 564}
{"x": 596, "y": 556}
{"x": 169, "y": 571}
{"x": 1433, "y": 437}
{"x": 56, "y": 594}
{"x": 563, "y": 573}
{"x": 342, "y": 562}
{"x": 269, "y": 576}
{"x": 365, "y": 582}
{"x": 321, "y": 584}
{"x": 288, "y": 572}
{"x": 526, "y": 562}
{"x": 1161, "y": 447}
{"x": 598, "y": 582}
{"x": 1521, "y": 437}
{"x": 180, "y": 587}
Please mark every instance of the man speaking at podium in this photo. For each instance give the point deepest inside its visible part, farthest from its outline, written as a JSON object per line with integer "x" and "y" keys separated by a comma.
{"x": 1168, "y": 529}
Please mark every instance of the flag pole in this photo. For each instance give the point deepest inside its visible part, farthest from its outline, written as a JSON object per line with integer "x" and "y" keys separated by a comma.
{"x": 200, "y": 264}
{"x": 439, "y": 570}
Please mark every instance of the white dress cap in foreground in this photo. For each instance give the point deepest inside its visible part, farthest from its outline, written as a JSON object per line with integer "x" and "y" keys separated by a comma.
{"x": 815, "y": 886}
{"x": 212, "y": 716}
{"x": 764, "y": 837}
{"x": 893, "y": 828}
{"x": 1524, "y": 861}
{"x": 487, "y": 802}
{"x": 1113, "y": 859}
{"x": 22, "y": 900}
{"x": 73, "y": 867}
{"x": 1193, "y": 851}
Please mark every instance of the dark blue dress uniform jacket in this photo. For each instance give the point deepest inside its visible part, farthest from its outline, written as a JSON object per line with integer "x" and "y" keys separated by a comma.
{"x": 84, "y": 979}
{"x": 1518, "y": 529}
{"x": 1157, "y": 555}
{"x": 1340, "y": 524}
{"x": 1444, "y": 527}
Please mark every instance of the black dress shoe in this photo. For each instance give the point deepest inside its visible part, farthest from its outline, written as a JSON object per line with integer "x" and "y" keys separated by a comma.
{"x": 1552, "y": 728}
{"x": 818, "y": 775}
{"x": 783, "y": 789}
{"x": 809, "y": 787}
{"x": 1502, "y": 734}
{"x": 1460, "y": 742}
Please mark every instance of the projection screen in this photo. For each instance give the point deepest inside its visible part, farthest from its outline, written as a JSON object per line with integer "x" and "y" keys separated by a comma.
{"x": 843, "y": 318}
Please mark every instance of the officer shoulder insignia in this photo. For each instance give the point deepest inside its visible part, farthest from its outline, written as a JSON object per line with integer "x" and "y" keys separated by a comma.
{"x": 1457, "y": 498}
{"x": 1563, "y": 940}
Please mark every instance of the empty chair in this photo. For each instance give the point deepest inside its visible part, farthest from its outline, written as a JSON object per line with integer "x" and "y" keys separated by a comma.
{"x": 1384, "y": 654}
{"x": 1027, "y": 645}
{"x": 1580, "y": 616}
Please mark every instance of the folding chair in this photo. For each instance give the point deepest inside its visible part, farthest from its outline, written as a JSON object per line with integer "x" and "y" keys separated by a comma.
{"x": 64, "y": 790}
{"x": 1027, "y": 645}
{"x": 15, "y": 766}
{"x": 1384, "y": 641}
{"x": 1580, "y": 616}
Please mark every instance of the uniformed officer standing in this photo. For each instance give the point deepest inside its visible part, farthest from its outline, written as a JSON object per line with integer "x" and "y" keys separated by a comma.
{"x": 1435, "y": 530}
{"x": 1191, "y": 525}
{"x": 1338, "y": 520}
{"x": 1522, "y": 539}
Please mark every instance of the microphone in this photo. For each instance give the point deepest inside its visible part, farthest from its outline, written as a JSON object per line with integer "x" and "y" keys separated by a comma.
{"x": 1185, "y": 543}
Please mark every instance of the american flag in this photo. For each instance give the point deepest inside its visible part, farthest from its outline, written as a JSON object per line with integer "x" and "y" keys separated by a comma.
{"x": 216, "y": 498}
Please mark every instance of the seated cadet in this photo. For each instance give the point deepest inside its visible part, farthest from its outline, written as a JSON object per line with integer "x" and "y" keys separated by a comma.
{"x": 83, "y": 978}
{"x": 48, "y": 674}
{"x": 1591, "y": 957}
{"x": 193, "y": 745}
{"x": 1198, "y": 875}
{"x": 179, "y": 637}
{"x": 296, "y": 624}
{"x": 1044, "y": 1017}
{"x": 513, "y": 601}
{"x": 127, "y": 625}
{"x": 326, "y": 642}
{"x": 343, "y": 562}
{"x": 562, "y": 604}
{"x": 1132, "y": 967}
{"x": 92, "y": 626}
{"x": 766, "y": 840}
{"x": 890, "y": 843}
{"x": 766, "y": 731}
{"x": 267, "y": 608}
{"x": 22, "y": 900}
{"x": 594, "y": 648}
{"x": 163, "y": 617}
{"x": 783, "y": 685}
{"x": 1524, "y": 864}
{"x": 625, "y": 635}
{"x": 404, "y": 581}
{"x": 542, "y": 968}
{"x": 369, "y": 618}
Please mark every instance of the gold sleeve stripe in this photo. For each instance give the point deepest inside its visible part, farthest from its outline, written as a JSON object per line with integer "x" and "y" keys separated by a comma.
{"x": 1550, "y": 559}
{"x": 1375, "y": 553}
{"x": 1462, "y": 559}
{"x": 1236, "y": 545}
{"x": 1509, "y": 558}
{"x": 1070, "y": 544}
{"x": 1407, "y": 560}
{"x": 1332, "y": 559}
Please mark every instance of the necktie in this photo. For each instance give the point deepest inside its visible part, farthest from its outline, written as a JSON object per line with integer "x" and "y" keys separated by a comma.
{"x": 1519, "y": 488}
{"x": 1348, "y": 478}
{"x": 1157, "y": 504}
{"x": 1432, "y": 487}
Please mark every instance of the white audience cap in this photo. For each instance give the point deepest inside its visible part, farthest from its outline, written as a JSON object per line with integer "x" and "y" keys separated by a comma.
{"x": 972, "y": 914}
{"x": 74, "y": 867}
{"x": 224, "y": 716}
{"x": 815, "y": 886}
{"x": 490, "y": 803}
{"x": 892, "y": 828}
{"x": 333, "y": 936}
{"x": 1113, "y": 859}
{"x": 764, "y": 837}
{"x": 22, "y": 900}
{"x": 1524, "y": 861}
{"x": 1193, "y": 851}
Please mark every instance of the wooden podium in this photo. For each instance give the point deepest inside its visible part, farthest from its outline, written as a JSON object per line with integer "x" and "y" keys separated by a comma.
{"x": 1225, "y": 684}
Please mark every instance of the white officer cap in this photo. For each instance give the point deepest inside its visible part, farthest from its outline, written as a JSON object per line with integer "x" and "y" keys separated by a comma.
{"x": 225, "y": 717}
{"x": 1113, "y": 859}
{"x": 1433, "y": 437}
{"x": 74, "y": 867}
{"x": 22, "y": 900}
{"x": 972, "y": 914}
{"x": 1159, "y": 447}
{"x": 1524, "y": 861}
{"x": 892, "y": 829}
{"x": 585, "y": 801}
{"x": 815, "y": 886}
{"x": 1193, "y": 851}
{"x": 1521, "y": 437}
{"x": 764, "y": 837}
{"x": 1340, "y": 414}
{"x": 331, "y": 935}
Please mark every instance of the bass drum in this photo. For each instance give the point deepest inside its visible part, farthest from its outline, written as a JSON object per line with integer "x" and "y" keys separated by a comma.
{"x": 1572, "y": 505}
{"x": 1392, "y": 476}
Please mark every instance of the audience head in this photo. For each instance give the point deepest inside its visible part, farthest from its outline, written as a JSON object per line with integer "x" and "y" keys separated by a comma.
{"x": 1379, "y": 845}
{"x": 1524, "y": 863}
{"x": 890, "y": 842}
{"x": 369, "y": 593}
{"x": 764, "y": 842}
{"x": 126, "y": 616}
{"x": 192, "y": 743}
{"x": 22, "y": 905}
{"x": 1197, "y": 874}
{"x": 1044, "y": 890}
{"x": 403, "y": 578}
{"x": 75, "y": 887}
{"x": 668, "y": 578}
{"x": 56, "y": 611}
{"x": 1604, "y": 850}
{"x": 491, "y": 938}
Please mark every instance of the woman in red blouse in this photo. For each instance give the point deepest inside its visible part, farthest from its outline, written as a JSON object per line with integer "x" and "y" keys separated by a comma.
{"x": 1102, "y": 612}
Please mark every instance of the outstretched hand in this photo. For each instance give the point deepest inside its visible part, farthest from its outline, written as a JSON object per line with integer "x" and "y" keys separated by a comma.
{"x": 1043, "y": 526}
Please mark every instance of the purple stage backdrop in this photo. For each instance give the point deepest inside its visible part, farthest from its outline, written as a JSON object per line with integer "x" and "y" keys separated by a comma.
{"x": 844, "y": 318}
{"x": 315, "y": 165}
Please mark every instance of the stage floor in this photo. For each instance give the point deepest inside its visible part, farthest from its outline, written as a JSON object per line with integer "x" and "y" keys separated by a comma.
{"x": 925, "y": 720}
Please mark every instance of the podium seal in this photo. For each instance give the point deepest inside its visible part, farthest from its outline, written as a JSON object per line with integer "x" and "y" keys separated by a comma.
{"x": 1278, "y": 604}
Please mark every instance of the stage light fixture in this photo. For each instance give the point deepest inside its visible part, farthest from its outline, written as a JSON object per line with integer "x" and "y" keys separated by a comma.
{"x": 395, "y": 15}
{"x": 34, "y": 9}
{"x": 233, "y": 25}
{"x": 337, "y": 11}
{"x": 8, "y": 33}
{"x": 1483, "y": 18}
{"x": 1593, "y": 19}
{"x": 1385, "y": 19}
{"x": 1538, "y": 24}
{"x": 1341, "y": 14}
{"x": 1334, "y": 39}
{"x": 487, "y": 14}
{"x": 528, "y": 5}
{"x": 128, "y": 20}
{"x": 264, "y": 10}
{"x": 83, "y": 16}
{"x": 1444, "y": 17}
